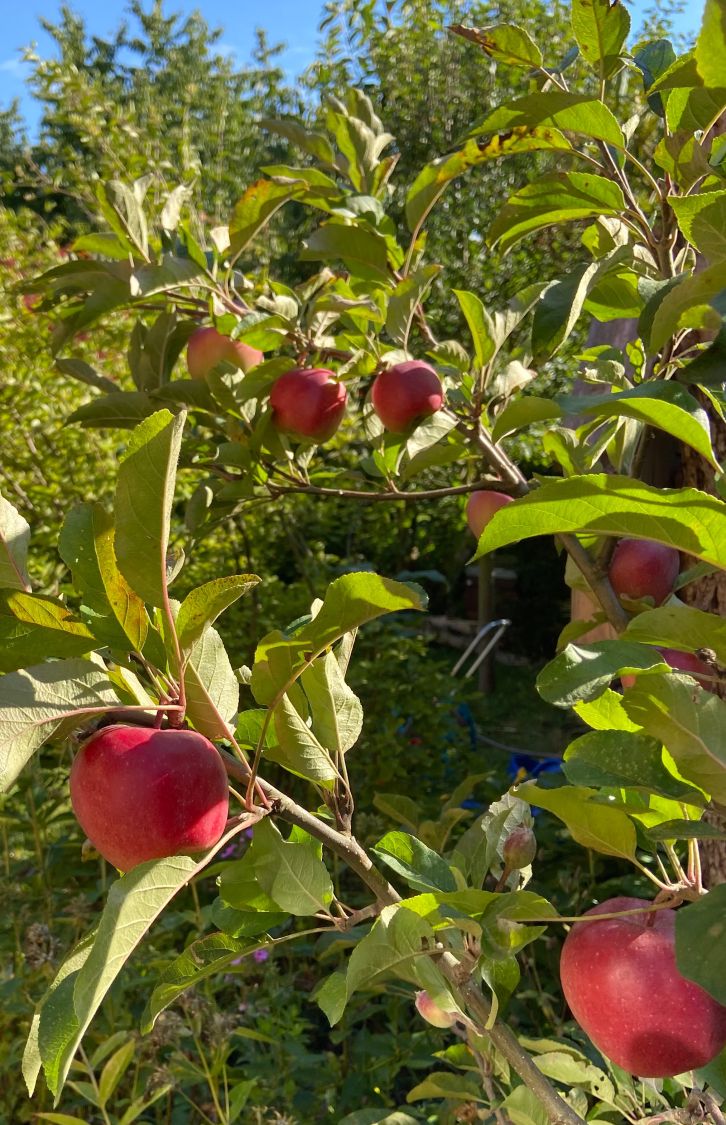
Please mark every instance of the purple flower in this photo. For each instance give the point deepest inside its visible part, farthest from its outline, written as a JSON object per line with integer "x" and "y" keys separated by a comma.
{"x": 261, "y": 954}
{"x": 249, "y": 833}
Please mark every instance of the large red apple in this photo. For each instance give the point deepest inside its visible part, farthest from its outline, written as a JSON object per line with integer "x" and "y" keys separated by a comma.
{"x": 405, "y": 394}
{"x": 481, "y": 506}
{"x": 141, "y": 793}
{"x": 308, "y": 402}
{"x": 640, "y": 568}
{"x": 682, "y": 662}
{"x": 620, "y": 979}
{"x": 207, "y": 347}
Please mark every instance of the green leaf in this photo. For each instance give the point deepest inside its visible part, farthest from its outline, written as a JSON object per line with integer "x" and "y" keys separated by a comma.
{"x": 505, "y": 43}
{"x": 444, "y": 1084}
{"x": 396, "y": 946}
{"x": 212, "y": 689}
{"x": 481, "y": 325}
{"x": 337, "y": 715}
{"x": 114, "y": 1070}
{"x": 33, "y": 628}
{"x": 55, "y": 1028}
{"x": 86, "y": 545}
{"x": 617, "y": 759}
{"x": 404, "y": 299}
{"x": 35, "y": 702}
{"x": 133, "y": 903}
{"x": 14, "y": 540}
{"x": 505, "y": 921}
{"x": 399, "y": 808}
{"x": 434, "y": 178}
{"x": 603, "y": 828}
{"x": 297, "y": 748}
{"x": 695, "y": 291}
{"x": 681, "y": 627}
{"x": 291, "y": 873}
{"x": 711, "y": 45}
{"x": 558, "y": 310}
{"x": 690, "y": 722}
{"x": 240, "y": 890}
{"x": 700, "y": 945}
{"x": 680, "y": 74}
{"x": 377, "y": 1117}
{"x": 332, "y": 996}
{"x": 166, "y": 276}
{"x": 708, "y": 367}
{"x": 702, "y": 219}
{"x": 350, "y": 601}
{"x": 315, "y": 144}
{"x": 522, "y": 1107}
{"x": 60, "y": 1118}
{"x": 363, "y": 251}
{"x": 422, "y": 868}
{"x": 557, "y": 197}
{"x": 523, "y": 412}
{"x": 202, "y": 959}
{"x": 684, "y": 518}
{"x": 203, "y": 606}
{"x": 685, "y": 830}
{"x": 601, "y": 28}
{"x": 256, "y": 207}
{"x": 666, "y": 405}
{"x": 606, "y": 712}
{"x": 581, "y": 672}
{"x": 480, "y": 847}
{"x": 124, "y": 213}
{"x": 117, "y": 410}
{"x": 571, "y": 1070}
{"x": 574, "y": 113}
{"x": 144, "y": 496}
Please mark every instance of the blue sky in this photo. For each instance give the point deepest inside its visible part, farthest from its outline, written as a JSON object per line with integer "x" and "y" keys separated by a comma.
{"x": 293, "y": 22}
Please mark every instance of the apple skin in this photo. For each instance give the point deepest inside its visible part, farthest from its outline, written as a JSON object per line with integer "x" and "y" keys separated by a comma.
{"x": 481, "y": 506}
{"x": 140, "y": 793}
{"x": 308, "y": 402}
{"x": 640, "y": 568}
{"x": 207, "y": 347}
{"x": 620, "y": 980}
{"x": 682, "y": 662}
{"x": 405, "y": 394}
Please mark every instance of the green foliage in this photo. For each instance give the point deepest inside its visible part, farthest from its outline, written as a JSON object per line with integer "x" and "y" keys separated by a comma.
{"x": 108, "y": 634}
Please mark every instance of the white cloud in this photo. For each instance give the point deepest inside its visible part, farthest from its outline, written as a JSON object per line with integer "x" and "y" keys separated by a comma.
{"x": 11, "y": 66}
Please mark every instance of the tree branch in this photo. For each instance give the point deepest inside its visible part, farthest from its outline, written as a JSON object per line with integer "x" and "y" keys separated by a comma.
{"x": 350, "y": 851}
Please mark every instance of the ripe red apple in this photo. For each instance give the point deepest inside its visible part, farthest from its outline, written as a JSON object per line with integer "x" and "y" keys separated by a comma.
{"x": 141, "y": 793}
{"x": 207, "y": 347}
{"x": 620, "y": 979}
{"x": 682, "y": 662}
{"x": 640, "y": 568}
{"x": 405, "y": 394}
{"x": 308, "y": 402}
{"x": 481, "y": 506}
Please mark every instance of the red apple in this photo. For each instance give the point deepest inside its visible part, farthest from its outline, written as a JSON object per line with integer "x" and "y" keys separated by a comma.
{"x": 207, "y": 347}
{"x": 308, "y": 402}
{"x": 481, "y": 506}
{"x": 620, "y": 979}
{"x": 405, "y": 394}
{"x": 141, "y": 793}
{"x": 682, "y": 662}
{"x": 640, "y": 568}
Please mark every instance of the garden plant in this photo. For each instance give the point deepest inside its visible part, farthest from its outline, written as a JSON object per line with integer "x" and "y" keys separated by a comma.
{"x": 248, "y": 391}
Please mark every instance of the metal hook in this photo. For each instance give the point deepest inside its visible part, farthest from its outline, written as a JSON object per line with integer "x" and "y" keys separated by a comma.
{"x": 500, "y": 625}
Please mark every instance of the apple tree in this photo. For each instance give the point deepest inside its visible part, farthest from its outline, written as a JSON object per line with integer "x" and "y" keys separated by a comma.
{"x": 340, "y": 386}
